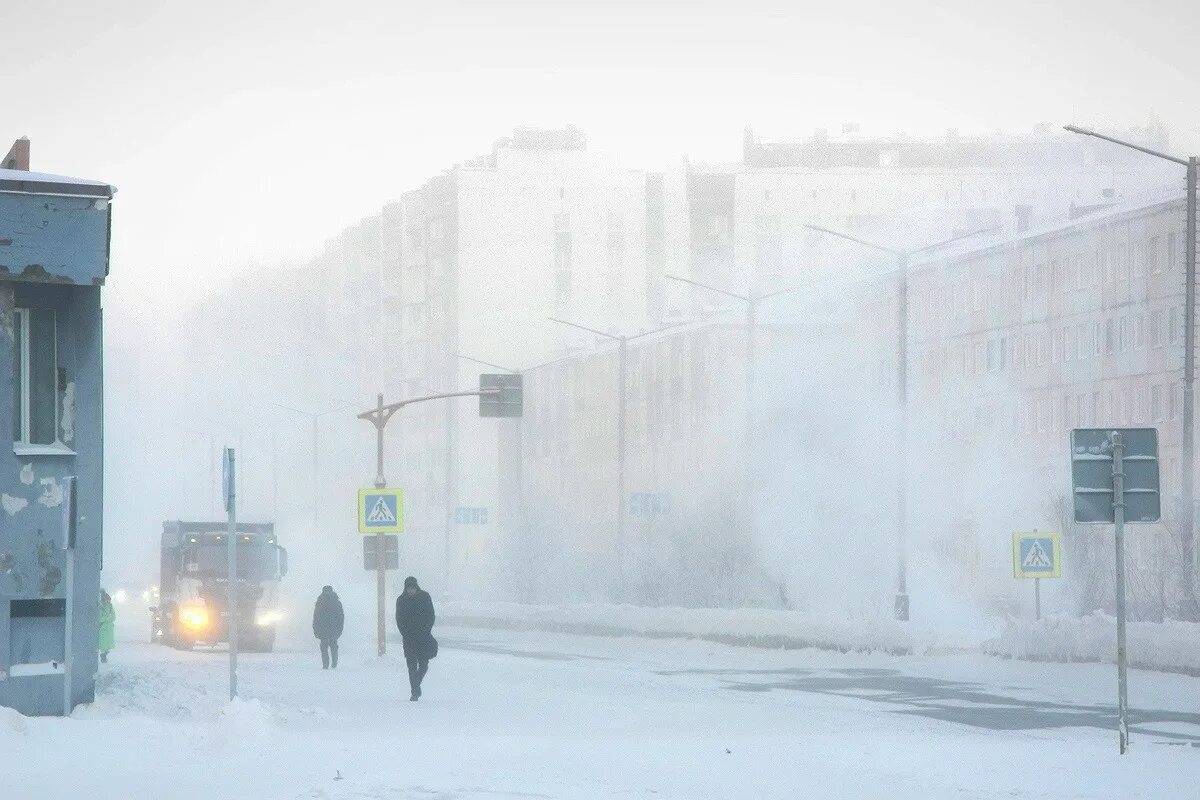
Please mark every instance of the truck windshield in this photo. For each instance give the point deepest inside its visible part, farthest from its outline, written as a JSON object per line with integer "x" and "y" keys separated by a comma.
{"x": 256, "y": 562}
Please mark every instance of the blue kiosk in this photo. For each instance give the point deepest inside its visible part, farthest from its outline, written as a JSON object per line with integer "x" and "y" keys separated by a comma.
{"x": 54, "y": 255}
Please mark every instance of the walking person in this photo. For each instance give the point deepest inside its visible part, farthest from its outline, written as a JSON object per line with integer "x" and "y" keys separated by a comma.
{"x": 108, "y": 624}
{"x": 414, "y": 618}
{"x": 328, "y": 620}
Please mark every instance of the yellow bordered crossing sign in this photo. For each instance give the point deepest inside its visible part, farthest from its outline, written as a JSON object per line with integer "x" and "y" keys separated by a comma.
{"x": 380, "y": 510}
{"x": 1037, "y": 555}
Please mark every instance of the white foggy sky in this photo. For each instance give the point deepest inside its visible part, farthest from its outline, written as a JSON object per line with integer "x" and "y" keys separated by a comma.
{"x": 247, "y": 132}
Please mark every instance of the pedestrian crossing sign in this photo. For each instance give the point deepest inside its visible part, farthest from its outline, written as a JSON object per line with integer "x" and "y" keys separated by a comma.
{"x": 1037, "y": 555}
{"x": 380, "y": 510}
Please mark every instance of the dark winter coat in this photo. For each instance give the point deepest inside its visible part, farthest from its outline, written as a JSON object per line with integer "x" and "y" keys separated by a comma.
{"x": 328, "y": 617}
{"x": 414, "y": 618}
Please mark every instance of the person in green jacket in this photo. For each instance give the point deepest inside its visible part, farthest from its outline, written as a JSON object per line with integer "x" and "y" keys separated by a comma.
{"x": 108, "y": 620}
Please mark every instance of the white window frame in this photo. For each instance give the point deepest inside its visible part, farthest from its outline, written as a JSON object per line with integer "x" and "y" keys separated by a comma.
{"x": 21, "y": 444}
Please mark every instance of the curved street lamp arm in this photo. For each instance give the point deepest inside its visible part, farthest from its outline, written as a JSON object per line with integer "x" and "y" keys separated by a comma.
{"x": 710, "y": 288}
{"x": 1131, "y": 145}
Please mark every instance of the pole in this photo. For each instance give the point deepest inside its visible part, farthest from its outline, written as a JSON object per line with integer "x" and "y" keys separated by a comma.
{"x": 380, "y": 483}
{"x": 68, "y": 629}
{"x": 1037, "y": 598}
{"x": 751, "y": 345}
{"x": 70, "y": 518}
{"x": 622, "y": 353}
{"x": 316, "y": 462}
{"x": 231, "y": 566}
{"x": 902, "y": 609}
{"x": 1188, "y": 554}
{"x": 1119, "y": 520}
{"x": 450, "y": 502}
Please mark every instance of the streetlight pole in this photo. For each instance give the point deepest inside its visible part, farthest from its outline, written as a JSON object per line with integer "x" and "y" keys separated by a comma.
{"x": 1187, "y": 578}
{"x": 622, "y": 354}
{"x": 751, "y": 301}
{"x": 379, "y": 417}
{"x": 902, "y": 263}
{"x": 316, "y": 452}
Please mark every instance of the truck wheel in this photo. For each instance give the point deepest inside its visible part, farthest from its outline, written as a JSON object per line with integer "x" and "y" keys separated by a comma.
{"x": 264, "y": 642}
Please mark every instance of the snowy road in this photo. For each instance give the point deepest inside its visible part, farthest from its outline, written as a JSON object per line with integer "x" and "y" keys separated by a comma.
{"x": 509, "y": 715}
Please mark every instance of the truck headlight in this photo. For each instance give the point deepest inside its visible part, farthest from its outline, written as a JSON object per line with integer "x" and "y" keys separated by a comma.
{"x": 266, "y": 618}
{"x": 194, "y": 616}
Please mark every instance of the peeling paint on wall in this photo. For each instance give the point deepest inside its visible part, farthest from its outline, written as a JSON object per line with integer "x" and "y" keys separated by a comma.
{"x": 52, "y": 493}
{"x": 7, "y": 311}
{"x": 51, "y": 575}
{"x": 67, "y": 421}
{"x": 27, "y": 474}
{"x": 13, "y": 504}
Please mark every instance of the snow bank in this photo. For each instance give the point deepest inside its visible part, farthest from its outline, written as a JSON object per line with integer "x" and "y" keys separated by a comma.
{"x": 1167, "y": 646}
{"x": 753, "y": 627}
{"x": 241, "y": 721}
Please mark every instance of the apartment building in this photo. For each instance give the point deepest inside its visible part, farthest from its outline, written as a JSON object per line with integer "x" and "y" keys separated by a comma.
{"x": 1015, "y": 341}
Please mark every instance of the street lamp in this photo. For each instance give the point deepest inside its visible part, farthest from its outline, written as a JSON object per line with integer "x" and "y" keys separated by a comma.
{"x": 902, "y": 261}
{"x": 751, "y": 302}
{"x": 622, "y": 342}
{"x": 1189, "y": 607}
{"x": 315, "y": 416}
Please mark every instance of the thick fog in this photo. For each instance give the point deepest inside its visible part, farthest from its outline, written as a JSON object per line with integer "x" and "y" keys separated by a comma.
{"x": 264, "y": 132}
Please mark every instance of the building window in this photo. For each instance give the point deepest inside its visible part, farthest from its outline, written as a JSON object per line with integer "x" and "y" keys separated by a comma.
{"x": 1156, "y": 403}
{"x": 1172, "y": 251}
{"x": 1152, "y": 255}
{"x": 1156, "y": 328}
{"x": 35, "y": 377}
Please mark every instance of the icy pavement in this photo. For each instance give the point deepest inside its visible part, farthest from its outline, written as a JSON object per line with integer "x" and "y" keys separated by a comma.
{"x": 529, "y": 715}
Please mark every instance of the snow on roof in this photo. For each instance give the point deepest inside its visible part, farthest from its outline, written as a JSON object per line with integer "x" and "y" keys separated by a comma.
{"x": 1004, "y": 240}
{"x": 19, "y": 180}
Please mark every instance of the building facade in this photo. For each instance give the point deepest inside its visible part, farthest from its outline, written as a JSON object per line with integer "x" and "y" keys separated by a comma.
{"x": 1015, "y": 342}
{"x": 54, "y": 258}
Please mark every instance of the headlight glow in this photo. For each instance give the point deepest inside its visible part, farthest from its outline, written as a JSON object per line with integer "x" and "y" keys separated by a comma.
{"x": 194, "y": 616}
{"x": 266, "y": 618}
{"x": 120, "y": 596}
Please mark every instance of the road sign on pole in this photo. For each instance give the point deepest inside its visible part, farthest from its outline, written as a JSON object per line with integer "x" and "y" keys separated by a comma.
{"x": 391, "y": 553}
{"x": 1092, "y": 474}
{"x": 380, "y": 511}
{"x": 1114, "y": 475}
{"x": 500, "y": 395}
{"x": 1037, "y": 555}
{"x": 229, "y": 481}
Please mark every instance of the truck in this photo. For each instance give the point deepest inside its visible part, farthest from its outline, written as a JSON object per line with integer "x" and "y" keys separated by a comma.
{"x": 192, "y": 606}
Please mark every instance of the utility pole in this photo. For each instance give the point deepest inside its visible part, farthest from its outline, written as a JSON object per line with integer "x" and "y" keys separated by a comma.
{"x": 1189, "y": 609}
{"x": 903, "y": 258}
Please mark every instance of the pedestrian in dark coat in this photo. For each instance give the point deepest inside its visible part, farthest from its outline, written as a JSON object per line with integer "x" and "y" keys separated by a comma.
{"x": 414, "y": 618}
{"x": 328, "y": 620}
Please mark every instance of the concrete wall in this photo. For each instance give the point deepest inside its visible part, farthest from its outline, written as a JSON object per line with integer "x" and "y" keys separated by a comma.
{"x": 62, "y": 262}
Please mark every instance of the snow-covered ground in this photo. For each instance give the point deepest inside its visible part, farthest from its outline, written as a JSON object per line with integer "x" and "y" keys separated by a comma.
{"x": 527, "y": 714}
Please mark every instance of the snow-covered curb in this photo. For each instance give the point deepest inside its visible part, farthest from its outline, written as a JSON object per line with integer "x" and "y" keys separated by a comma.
{"x": 1167, "y": 646}
{"x": 752, "y": 627}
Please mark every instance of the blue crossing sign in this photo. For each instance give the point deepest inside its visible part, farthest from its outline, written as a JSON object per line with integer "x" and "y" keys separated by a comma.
{"x": 380, "y": 510}
{"x": 1037, "y": 555}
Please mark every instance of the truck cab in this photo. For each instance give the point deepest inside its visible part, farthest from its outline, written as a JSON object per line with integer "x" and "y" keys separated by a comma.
{"x": 194, "y": 585}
